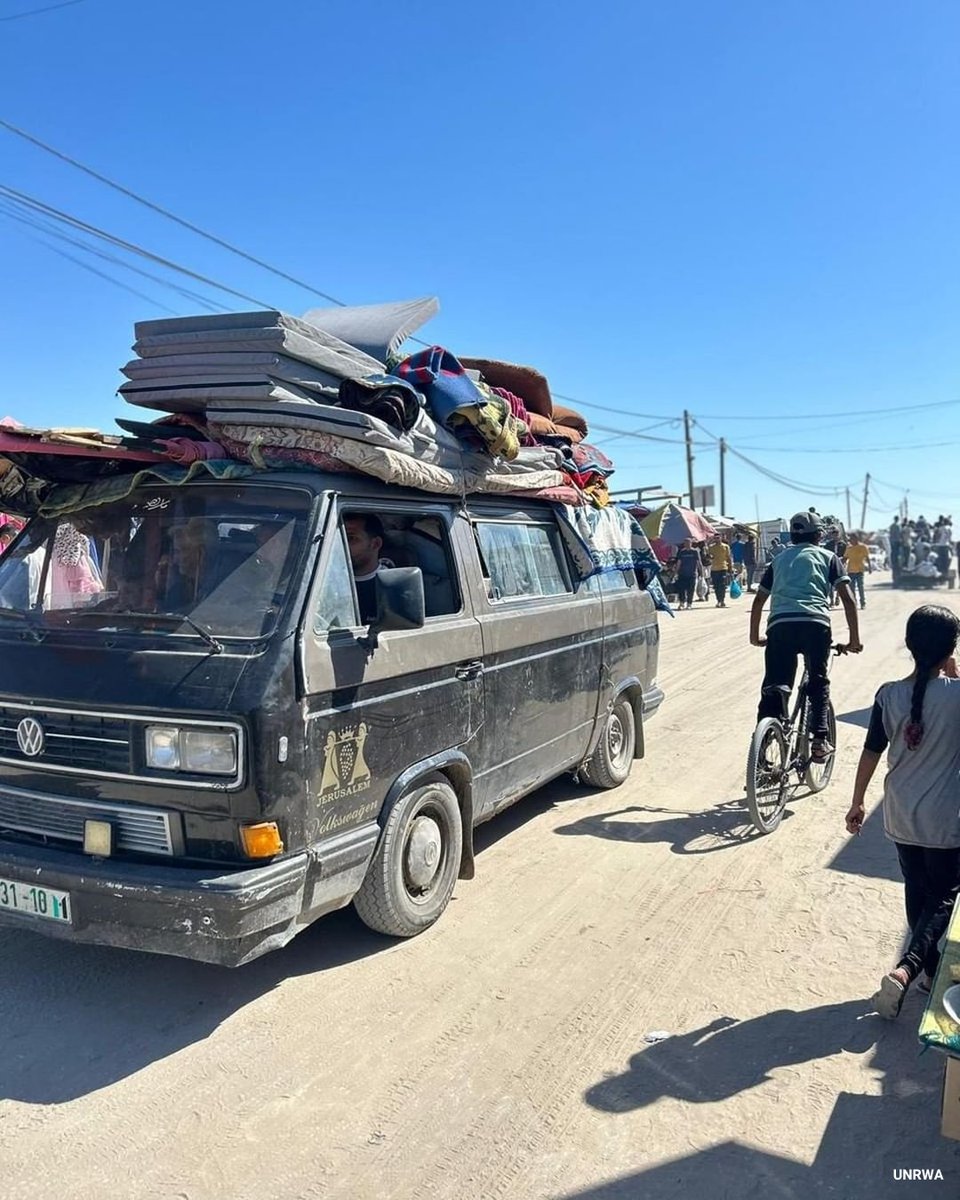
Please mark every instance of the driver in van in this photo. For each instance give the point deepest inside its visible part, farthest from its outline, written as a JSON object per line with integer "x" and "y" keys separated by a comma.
{"x": 365, "y": 537}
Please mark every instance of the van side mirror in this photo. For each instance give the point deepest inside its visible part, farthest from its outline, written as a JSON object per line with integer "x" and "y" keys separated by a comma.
{"x": 400, "y": 602}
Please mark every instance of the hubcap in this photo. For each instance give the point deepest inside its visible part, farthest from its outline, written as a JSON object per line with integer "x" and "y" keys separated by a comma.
{"x": 615, "y": 737}
{"x": 424, "y": 847}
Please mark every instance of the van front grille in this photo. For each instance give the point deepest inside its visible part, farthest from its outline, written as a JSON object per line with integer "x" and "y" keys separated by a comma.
{"x": 140, "y": 830}
{"x": 82, "y": 741}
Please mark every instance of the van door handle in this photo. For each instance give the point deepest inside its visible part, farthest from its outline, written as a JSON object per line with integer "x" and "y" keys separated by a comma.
{"x": 470, "y": 670}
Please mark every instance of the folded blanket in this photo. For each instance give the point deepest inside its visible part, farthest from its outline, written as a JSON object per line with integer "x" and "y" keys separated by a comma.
{"x": 393, "y": 400}
{"x": 525, "y": 382}
{"x": 492, "y": 425}
{"x": 188, "y": 450}
{"x": 570, "y": 419}
{"x": 448, "y": 390}
{"x": 541, "y": 426}
{"x": 589, "y": 458}
{"x": 519, "y": 410}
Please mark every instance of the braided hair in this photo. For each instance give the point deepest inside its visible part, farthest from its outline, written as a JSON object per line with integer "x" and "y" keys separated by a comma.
{"x": 932, "y": 633}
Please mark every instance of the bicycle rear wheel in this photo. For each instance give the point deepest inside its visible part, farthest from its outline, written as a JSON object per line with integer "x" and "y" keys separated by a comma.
{"x": 817, "y": 775}
{"x": 767, "y": 775}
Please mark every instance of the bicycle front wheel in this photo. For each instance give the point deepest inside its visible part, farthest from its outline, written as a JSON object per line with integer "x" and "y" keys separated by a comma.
{"x": 767, "y": 775}
{"x": 817, "y": 775}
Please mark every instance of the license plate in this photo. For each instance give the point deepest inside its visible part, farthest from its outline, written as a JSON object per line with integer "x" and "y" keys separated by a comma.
{"x": 35, "y": 901}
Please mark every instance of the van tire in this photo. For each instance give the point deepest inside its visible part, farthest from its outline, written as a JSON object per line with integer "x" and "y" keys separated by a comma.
{"x": 610, "y": 763}
{"x": 403, "y": 893}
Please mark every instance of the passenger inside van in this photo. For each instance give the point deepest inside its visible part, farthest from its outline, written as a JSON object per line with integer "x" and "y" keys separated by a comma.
{"x": 403, "y": 543}
{"x": 365, "y": 538}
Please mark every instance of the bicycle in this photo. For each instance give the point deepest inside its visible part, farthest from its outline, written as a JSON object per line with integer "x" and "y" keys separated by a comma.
{"x": 780, "y": 746}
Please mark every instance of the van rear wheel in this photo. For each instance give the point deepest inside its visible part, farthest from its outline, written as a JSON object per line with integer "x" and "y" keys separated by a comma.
{"x": 610, "y": 763}
{"x": 413, "y": 872}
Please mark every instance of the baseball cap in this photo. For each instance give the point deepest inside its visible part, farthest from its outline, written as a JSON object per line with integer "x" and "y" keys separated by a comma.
{"x": 805, "y": 522}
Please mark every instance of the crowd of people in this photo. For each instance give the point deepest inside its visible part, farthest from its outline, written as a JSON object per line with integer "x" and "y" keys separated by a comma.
{"x": 701, "y": 567}
{"x": 921, "y": 552}
{"x": 721, "y": 568}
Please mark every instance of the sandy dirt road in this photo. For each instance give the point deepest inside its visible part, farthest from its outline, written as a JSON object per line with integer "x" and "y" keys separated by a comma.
{"x": 503, "y": 1054}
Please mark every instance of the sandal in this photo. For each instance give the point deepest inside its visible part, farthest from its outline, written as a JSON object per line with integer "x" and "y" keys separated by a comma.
{"x": 889, "y": 999}
{"x": 820, "y": 750}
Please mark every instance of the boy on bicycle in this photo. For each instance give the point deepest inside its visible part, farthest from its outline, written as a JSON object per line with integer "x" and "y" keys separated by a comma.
{"x": 800, "y": 582}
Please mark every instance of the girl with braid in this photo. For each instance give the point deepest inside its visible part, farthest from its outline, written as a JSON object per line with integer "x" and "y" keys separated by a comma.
{"x": 918, "y": 719}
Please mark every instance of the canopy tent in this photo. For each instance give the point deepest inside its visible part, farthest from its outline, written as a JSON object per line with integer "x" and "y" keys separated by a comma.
{"x": 673, "y": 525}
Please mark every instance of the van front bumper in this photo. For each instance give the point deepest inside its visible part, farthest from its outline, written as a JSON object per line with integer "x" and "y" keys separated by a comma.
{"x": 207, "y": 914}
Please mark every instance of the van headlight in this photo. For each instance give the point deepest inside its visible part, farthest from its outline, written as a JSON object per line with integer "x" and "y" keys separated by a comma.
{"x": 196, "y": 751}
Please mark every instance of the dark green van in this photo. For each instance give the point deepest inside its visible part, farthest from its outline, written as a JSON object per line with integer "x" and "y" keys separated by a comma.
{"x": 210, "y": 749}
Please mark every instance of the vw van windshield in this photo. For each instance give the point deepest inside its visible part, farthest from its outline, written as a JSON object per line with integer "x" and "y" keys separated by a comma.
{"x": 215, "y": 560}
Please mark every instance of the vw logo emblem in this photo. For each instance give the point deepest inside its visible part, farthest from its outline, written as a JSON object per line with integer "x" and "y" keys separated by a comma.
{"x": 30, "y": 737}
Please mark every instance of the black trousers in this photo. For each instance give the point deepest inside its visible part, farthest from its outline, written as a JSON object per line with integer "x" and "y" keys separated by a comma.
{"x": 930, "y": 881}
{"x": 719, "y": 581}
{"x": 786, "y": 642}
{"x": 685, "y": 588}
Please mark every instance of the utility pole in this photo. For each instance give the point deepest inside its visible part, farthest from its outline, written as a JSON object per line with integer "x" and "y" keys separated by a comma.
{"x": 866, "y": 493}
{"x": 849, "y": 517}
{"x": 686, "y": 434}
{"x": 723, "y": 478}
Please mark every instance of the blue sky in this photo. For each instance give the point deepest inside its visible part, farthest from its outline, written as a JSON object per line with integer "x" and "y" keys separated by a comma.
{"x": 747, "y": 210}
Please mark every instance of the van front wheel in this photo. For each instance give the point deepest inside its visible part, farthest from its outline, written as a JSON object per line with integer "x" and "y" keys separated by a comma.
{"x": 610, "y": 763}
{"x": 412, "y": 874}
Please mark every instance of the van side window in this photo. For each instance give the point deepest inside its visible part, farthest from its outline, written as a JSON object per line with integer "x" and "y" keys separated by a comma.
{"x": 415, "y": 540}
{"x": 427, "y": 543}
{"x": 521, "y": 559}
{"x": 336, "y": 606}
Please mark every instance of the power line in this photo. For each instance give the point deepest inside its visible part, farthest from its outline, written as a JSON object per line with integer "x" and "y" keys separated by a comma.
{"x": 221, "y": 242}
{"x": 897, "y": 487}
{"x": 619, "y": 409}
{"x": 829, "y": 416}
{"x": 50, "y": 229}
{"x": 847, "y": 449}
{"x": 103, "y": 275}
{"x": 165, "y": 212}
{"x": 782, "y": 480}
{"x": 778, "y": 418}
{"x": 35, "y": 12}
{"x": 34, "y": 205}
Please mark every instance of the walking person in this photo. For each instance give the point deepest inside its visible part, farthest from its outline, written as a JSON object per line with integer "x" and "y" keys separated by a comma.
{"x": 688, "y": 571}
{"x": 750, "y": 562}
{"x": 895, "y": 536}
{"x": 856, "y": 558}
{"x": 703, "y": 588}
{"x": 721, "y": 565}
{"x": 736, "y": 553}
{"x": 917, "y": 721}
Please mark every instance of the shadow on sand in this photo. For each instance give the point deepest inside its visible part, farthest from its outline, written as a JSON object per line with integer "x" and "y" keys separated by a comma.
{"x": 867, "y": 1138}
{"x": 74, "y": 1018}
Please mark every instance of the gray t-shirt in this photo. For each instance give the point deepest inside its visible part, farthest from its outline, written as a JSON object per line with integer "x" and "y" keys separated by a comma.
{"x": 921, "y": 790}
